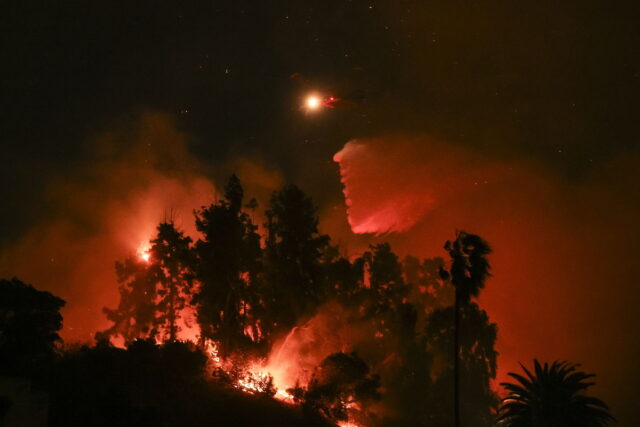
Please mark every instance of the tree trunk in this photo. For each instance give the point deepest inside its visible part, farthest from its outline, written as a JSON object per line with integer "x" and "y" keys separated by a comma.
{"x": 172, "y": 312}
{"x": 456, "y": 364}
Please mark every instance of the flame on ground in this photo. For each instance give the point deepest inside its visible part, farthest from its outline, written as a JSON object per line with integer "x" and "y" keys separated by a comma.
{"x": 293, "y": 358}
{"x": 290, "y": 363}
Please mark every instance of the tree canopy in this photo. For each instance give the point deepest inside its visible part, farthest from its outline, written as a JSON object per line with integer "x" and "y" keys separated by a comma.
{"x": 553, "y": 395}
{"x": 29, "y": 324}
{"x": 417, "y": 333}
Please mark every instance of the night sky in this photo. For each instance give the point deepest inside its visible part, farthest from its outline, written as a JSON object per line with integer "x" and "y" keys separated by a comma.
{"x": 114, "y": 111}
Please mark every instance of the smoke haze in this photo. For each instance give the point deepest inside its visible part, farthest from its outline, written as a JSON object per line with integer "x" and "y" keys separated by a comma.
{"x": 563, "y": 284}
{"x": 140, "y": 173}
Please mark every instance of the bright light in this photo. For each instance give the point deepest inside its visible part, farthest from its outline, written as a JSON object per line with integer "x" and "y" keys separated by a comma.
{"x": 143, "y": 252}
{"x": 313, "y": 102}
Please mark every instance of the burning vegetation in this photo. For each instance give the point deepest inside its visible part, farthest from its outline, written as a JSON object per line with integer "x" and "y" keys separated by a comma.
{"x": 284, "y": 314}
{"x": 238, "y": 325}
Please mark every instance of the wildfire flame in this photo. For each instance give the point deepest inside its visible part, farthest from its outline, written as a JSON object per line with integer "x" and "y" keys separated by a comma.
{"x": 274, "y": 375}
{"x": 284, "y": 396}
{"x": 255, "y": 378}
{"x": 143, "y": 252}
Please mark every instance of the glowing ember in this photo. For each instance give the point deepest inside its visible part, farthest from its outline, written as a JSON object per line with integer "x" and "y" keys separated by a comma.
{"x": 255, "y": 382}
{"x": 212, "y": 350}
{"x": 284, "y": 396}
{"x": 259, "y": 379}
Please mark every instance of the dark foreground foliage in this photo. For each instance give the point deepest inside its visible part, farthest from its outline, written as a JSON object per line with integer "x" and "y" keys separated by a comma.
{"x": 152, "y": 385}
{"x": 29, "y": 323}
{"x": 425, "y": 348}
{"x": 341, "y": 381}
{"x": 552, "y": 396}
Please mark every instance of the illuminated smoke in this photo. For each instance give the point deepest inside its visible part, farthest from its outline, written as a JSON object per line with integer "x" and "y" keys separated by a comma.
{"x": 389, "y": 186}
{"x": 141, "y": 173}
{"x": 562, "y": 264}
{"x": 294, "y": 357}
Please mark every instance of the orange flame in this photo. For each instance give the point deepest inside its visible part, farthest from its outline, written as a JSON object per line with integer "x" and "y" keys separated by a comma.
{"x": 143, "y": 252}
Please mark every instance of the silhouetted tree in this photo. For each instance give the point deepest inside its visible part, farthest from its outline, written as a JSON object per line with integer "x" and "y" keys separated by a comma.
{"x": 151, "y": 385}
{"x": 394, "y": 346}
{"x": 341, "y": 277}
{"x": 136, "y": 312}
{"x": 29, "y": 323}
{"x": 294, "y": 248}
{"x": 384, "y": 267}
{"x": 228, "y": 265}
{"x": 552, "y": 396}
{"x": 468, "y": 272}
{"x": 341, "y": 382}
{"x": 171, "y": 264}
{"x": 385, "y": 296}
{"x": 145, "y": 384}
{"x": 428, "y": 289}
{"x": 477, "y": 361}
{"x": 153, "y": 291}
{"x": 404, "y": 361}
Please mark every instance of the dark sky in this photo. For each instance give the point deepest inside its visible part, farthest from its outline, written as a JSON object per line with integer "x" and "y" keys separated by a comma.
{"x": 556, "y": 82}
{"x": 102, "y": 100}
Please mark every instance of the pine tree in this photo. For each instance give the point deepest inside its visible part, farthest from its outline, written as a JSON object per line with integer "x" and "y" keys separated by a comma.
{"x": 134, "y": 317}
{"x": 294, "y": 248}
{"x": 171, "y": 259}
{"x": 228, "y": 267}
{"x": 153, "y": 291}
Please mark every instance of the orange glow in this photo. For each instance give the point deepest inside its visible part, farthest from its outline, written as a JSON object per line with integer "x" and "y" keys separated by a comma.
{"x": 212, "y": 351}
{"x": 143, "y": 252}
{"x": 253, "y": 382}
{"x": 256, "y": 378}
{"x": 291, "y": 361}
{"x": 284, "y": 396}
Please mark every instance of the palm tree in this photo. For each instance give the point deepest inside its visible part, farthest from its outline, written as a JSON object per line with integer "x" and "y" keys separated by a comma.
{"x": 553, "y": 397}
{"x": 468, "y": 272}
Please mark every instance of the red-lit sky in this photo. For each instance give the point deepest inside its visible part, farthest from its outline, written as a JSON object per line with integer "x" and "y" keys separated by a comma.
{"x": 516, "y": 121}
{"x": 564, "y": 254}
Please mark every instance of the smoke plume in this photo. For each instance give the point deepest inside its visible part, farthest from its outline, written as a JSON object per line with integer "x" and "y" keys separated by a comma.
{"x": 140, "y": 173}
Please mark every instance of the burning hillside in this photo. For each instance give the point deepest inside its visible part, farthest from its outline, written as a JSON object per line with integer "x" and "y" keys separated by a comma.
{"x": 283, "y": 314}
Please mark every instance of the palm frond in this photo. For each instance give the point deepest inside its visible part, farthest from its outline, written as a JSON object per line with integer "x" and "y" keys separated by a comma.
{"x": 552, "y": 394}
